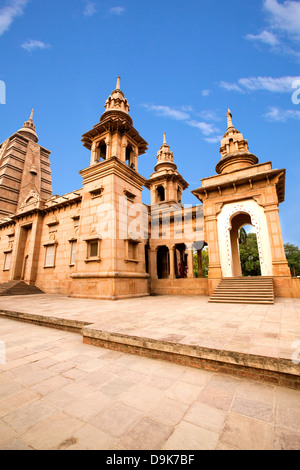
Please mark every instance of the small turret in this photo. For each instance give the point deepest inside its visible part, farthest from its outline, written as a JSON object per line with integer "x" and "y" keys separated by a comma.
{"x": 234, "y": 150}
{"x": 166, "y": 184}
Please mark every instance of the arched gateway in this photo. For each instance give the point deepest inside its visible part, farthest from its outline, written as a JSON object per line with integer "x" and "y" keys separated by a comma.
{"x": 244, "y": 191}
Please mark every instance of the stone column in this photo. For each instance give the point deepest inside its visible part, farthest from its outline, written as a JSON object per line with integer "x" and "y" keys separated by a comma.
{"x": 152, "y": 259}
{"x": 94, "y": 153}
{"x": 172, "y": 262}
{"x": 279, "y": 261}
{"x": 211, "y": 233}
{"x": 108, "y": 147}
{"x": 190, "y": 272}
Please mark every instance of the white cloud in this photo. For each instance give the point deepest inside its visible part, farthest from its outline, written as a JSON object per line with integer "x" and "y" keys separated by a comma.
{"x": 12, "y": 10}
{"x": 167, "y": 111}
{"x": 181, "y": 114}
{"x": 273, "y": 85}
{"x": 117, "y": 11}
{"x": 284, "y": 16}
{"x": 214, "y": 140}
{"x": 32, "y": 45}
{"x": 266, "y": 37}
{"x": 277, "y": 85}
{"x": 208, "y": 115}
{"x": 282, "y": 33}
{"x": 205, "y": 92}
{"x": 281, "y": 115}
{"x": 205, "y": 127}
{"x": 90, "y": 9}
{"x": 230, "y": 86}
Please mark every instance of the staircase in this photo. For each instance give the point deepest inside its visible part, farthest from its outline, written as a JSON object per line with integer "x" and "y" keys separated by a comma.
{"x": 18, "y": 288}
{"x": 244, "y": 290}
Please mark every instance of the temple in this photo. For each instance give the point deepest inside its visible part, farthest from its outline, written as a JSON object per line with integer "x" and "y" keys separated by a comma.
{"x": 102, "y": 241}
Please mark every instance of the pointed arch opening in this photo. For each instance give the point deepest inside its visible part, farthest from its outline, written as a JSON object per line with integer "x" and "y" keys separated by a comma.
{"x": 101, "y": 151}
{"x": 160, "y": 194}
{"x": 246, "y": 258}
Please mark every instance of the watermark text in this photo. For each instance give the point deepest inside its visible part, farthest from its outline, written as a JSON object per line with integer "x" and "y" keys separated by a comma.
{"x": 296, "y": 94}
{"x": 2, "y": 92}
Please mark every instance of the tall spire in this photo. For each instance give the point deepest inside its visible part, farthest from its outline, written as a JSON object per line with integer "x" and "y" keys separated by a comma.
{"x": 229, "y": 119}
{"x": 164, "y": 155}
{"x": 116, "y": 101}
{"x": 234, "y": 150}
{"x": 29, "y": 129}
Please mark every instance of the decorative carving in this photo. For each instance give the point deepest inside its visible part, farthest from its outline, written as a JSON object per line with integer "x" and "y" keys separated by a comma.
{"x": 54, "y": 221}
{"x": 96, "y": 191}
{"x": 32, "y": 199}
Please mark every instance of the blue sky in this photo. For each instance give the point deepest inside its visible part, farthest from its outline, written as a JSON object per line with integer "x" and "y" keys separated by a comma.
{"x": 182, "y": 64}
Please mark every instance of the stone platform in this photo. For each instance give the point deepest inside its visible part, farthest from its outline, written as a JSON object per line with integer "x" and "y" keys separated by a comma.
{"x": 254, "y": 341}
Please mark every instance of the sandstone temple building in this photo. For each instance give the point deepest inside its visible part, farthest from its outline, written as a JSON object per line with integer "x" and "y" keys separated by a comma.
{"x": 102, "y": 241}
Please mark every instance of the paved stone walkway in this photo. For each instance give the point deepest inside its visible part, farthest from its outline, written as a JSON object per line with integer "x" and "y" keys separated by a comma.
{"x": 58, "y": 393}
{"x": 267, "y": 330}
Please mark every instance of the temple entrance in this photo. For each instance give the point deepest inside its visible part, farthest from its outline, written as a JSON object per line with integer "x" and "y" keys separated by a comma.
{"x": 180, "y": 261}
{"x": 246, "y": 258}
{"x": 22, "y": 264}
{"x": 163, "y": 262}
{"x": 249, "y": 253}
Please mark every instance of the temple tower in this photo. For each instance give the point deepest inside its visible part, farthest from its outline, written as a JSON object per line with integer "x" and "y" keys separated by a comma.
{"x": 244, "y": 191}
{"x": 24, "y": 170}
{"x": 112, "y": 239}
{"x": 166, "y": 184}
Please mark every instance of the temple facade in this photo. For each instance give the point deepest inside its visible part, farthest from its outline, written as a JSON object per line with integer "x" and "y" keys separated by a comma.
{"x": 102, "y": 241}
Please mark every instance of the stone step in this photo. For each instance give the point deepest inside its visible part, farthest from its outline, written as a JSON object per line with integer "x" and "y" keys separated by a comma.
{"x": 244, "y": 290}
{"x": 247, "y": 295}
{"x": 241, "y": 301}
{"x": 18, "y": 288}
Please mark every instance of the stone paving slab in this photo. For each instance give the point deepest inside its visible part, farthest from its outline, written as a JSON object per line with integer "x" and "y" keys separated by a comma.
{"x": 58, "y": 393}
{"x": 255, "y": 336}
{"x": 268, "y": 330}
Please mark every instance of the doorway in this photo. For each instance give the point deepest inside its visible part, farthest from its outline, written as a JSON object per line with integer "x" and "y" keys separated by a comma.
{"x": 246, "y": 259}
{"x": 163, "y": 262}
{"x": 22, "y": 263}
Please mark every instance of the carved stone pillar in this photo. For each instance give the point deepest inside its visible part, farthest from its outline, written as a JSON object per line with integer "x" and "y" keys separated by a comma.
{"x": 190, "y": 272}
{"x": 172, "y": 262}
{"x": 153, "y": 263}
{"x": 279, "y": 261}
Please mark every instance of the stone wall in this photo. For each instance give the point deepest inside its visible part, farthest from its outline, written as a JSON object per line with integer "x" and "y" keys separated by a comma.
{"x": 199, "y": 286}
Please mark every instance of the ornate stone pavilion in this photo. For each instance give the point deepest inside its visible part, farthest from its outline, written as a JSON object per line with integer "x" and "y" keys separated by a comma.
{"x": 101, "y": 241}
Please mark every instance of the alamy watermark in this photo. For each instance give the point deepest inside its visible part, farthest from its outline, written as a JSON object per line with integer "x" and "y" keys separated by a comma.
{"x": 2, "y": 353}
{"x": 296, "y": 94}
{"x": 2, "y": 92}
{"x": 132, "y": 221}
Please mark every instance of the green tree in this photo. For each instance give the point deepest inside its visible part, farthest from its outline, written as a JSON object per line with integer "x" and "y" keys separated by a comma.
{"x": 292, "y": 253}
{"x": 249, "y": 255}
{"x": 204, "y": 262}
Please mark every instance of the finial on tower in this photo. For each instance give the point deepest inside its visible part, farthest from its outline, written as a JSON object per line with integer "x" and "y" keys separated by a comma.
{"x": 29, "y": 129}
{"x": 165, "y": 139}
{"x": 118, "y": 87}
{"x": 229, "y": 119}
